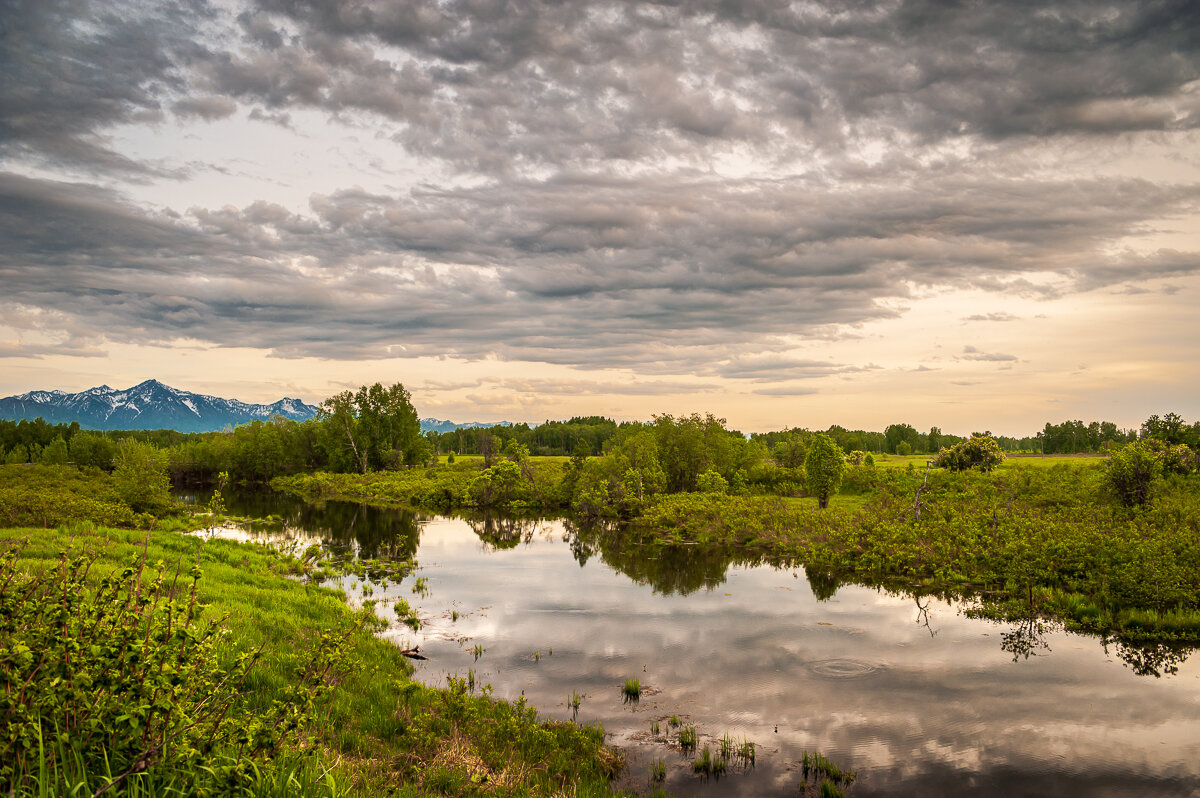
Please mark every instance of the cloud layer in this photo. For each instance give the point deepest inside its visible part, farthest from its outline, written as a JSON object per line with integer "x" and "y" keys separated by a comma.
{"x": 689, "y": 189}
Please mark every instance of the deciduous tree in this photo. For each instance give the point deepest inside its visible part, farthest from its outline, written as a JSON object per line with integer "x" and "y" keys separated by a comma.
{"x": 824, "y": 466}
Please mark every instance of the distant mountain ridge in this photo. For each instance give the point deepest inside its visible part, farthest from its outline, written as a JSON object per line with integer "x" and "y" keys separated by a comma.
{"x": 437, "y": 425}
{"x": 147, "y": 405}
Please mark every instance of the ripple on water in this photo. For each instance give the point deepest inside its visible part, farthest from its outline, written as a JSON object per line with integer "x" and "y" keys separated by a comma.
{"x": 840, "y": 668}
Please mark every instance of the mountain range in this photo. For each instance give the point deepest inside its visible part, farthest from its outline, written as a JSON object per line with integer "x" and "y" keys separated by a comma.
{"x": 147, "y": 405}
{"x": 153, "y": 405}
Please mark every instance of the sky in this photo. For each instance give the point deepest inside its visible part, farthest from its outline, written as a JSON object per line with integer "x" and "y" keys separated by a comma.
{"x": 972, "y": 215}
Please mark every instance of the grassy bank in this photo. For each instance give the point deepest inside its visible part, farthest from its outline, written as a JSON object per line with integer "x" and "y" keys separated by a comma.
{"x": 364, "y": 728}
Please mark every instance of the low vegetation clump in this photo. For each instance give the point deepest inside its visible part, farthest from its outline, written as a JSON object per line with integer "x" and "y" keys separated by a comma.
{"x": 979, "y": 452}
{"x": 816, "y": 769}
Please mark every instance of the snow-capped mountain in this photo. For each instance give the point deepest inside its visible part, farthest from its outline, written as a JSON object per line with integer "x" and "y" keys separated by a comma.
{"x": 437, "y": 425}
{"x": 149, "y": 405}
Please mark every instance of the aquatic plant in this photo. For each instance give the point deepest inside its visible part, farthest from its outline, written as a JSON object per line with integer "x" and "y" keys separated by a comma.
{"x": 632, "y": 690}
{"x": 745, "y": 752}
{"x": 658, "y": 772}
{"x": 818, "y": 766}
{"x": 687, "y": 738}
{"x": 478, "y": 651}
{"x": 709, "y": 765}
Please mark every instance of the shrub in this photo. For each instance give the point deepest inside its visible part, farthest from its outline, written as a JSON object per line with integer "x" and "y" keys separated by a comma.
{"x": 1132, "y": 473}
{"x": 711, "y": 482}
{"x": 107, "y": 683}
{"x": 978, "y": 451}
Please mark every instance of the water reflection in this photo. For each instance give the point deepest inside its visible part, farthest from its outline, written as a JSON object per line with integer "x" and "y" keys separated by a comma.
{"x": 921, "y": 700}
{"x": 345, "y": 528}
{"x": 668, "y": 570}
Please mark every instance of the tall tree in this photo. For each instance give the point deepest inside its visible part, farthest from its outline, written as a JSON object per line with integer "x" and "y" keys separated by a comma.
{"x": 374, "y": 428}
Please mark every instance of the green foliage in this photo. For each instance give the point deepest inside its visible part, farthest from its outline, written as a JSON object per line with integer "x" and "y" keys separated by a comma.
{"x": 994, "y": 538}
{"x": 904, "y": 448}
{"x": 1132, "y": 474}
{"x": 127, "y": 679}
{"x": 141, "y": 477}
{"x": 980, "y": 452}
{"x": 371, "y": 429}
{"x": 823, "y": 468}
{"x": 711, "y": 482}
{"x": 497, "y": 485}
{"x": 48, "y": 496}
{"x": 379, "y": 729}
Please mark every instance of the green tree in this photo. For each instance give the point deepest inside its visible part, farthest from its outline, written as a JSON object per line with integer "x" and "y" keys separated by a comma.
{"x": 141, "y": 477}
{"x": 1169, "y": 428}
{"x": 824, "y": 466}
{"x": 55, "y": 453}
{"x": 17, "y": 455}
{"x": 371, "y": 429}
{"x": 93, "y": 449}
{"x": 896, "y": 434}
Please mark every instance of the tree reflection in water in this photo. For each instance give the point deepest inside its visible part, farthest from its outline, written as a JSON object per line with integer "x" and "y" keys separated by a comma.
{"x": 501, "y": 532}
{"x": 1151, "y": 659}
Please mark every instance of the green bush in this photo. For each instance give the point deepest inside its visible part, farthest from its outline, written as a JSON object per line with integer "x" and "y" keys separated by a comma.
{"x": 979, "y": 451}
{"x": 124, "y": 682}
{"x": 1132, "y": 474}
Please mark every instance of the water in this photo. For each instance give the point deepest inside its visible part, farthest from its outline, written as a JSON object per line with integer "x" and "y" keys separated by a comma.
{"x": 916, "y": 697}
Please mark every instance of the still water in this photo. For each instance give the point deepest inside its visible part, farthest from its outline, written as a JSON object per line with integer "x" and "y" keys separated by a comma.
{"x": 916, "y": 697}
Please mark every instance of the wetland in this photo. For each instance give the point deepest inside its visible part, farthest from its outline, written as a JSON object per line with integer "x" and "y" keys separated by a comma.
{"x": 910, "y": 691}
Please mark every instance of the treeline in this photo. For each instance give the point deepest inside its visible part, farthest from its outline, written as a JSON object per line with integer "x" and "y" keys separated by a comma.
{"x": 377, "y": 428}
{"x": 551, "y": 438}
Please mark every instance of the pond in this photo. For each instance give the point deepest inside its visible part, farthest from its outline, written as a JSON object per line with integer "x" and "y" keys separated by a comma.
{"x": 913, "y": 695}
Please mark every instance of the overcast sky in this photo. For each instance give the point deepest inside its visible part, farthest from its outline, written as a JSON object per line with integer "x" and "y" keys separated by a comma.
{"x": 969, "y": 214}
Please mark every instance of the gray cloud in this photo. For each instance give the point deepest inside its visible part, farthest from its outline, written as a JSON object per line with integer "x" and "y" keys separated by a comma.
{"x": 694, "y": 275}
{"x": 991, "y": 317}
{"x": 595, "y": 223}
{"x": 971, "y": 353}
